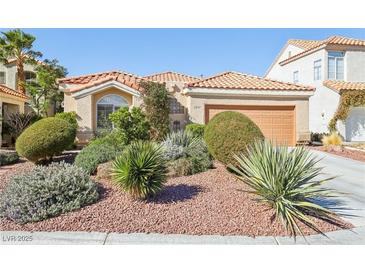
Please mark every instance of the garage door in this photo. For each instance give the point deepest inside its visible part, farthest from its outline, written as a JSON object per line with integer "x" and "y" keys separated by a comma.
{"x": 355, "y": 125}
{"x": 277, "y": 123}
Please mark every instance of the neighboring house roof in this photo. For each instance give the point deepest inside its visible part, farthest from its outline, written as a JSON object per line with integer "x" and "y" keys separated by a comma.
{"x": 9, "y": 91}
{"x": 170, "y": 76}
{"x": 304, "y": 44}
{"x": 341, "y": 86}
{"x": 90, "y": 80}
{"x": 311, "y": 46}
{"x": 236, "y": 80}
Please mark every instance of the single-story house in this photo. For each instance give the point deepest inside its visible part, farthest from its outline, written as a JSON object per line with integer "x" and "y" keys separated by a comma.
{"x": 10, "y": 101}
{"x": 280, "y": 109}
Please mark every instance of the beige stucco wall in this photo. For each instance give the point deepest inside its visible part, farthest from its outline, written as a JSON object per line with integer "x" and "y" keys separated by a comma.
{"x": 196, "y": 106}
{"x": 85, "y": 107}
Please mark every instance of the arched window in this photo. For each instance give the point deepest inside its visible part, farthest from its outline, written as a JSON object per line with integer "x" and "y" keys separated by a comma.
{"x": 106, "y": 105}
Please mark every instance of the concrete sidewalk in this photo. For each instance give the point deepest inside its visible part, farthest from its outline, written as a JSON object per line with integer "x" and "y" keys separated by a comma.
{"x": 354, "y": 236}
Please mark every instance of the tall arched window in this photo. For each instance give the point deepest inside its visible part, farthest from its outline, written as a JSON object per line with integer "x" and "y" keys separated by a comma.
{"x": 106, "y": 105}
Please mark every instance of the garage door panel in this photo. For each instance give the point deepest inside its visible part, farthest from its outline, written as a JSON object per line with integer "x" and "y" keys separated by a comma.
{"x": 277, "y": 123}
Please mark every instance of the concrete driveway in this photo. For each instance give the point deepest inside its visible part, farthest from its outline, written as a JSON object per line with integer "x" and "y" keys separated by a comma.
{"x": 351, "y": 180}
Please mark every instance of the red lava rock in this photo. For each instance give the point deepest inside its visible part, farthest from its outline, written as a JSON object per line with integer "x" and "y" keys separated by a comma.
{"x": 347, "y": 153}
{"x": 212, "y": 202}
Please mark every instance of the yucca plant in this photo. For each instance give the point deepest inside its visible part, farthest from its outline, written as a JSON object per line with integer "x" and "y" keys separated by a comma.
{"x": 286, "y": 180}
{"x": 141, "y": 169}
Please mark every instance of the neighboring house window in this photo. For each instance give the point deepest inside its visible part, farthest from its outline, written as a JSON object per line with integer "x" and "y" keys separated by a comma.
{"x": 318, "y": 70}
{"x": 176, "y": 126}
{"x": 2, "y": 78}
{"x": 30, "y": 77}
{"x": 336, "y": 65}
{"x": 296, "y": 76}
{"x": 175, "y": 106}
{"x": 107, "y": 105}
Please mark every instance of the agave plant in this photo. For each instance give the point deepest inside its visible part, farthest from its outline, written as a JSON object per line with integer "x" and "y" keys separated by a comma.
{"x": 178, "y": 143}
{"x": 286, "y": 180}
{"x": 141, "y": 169}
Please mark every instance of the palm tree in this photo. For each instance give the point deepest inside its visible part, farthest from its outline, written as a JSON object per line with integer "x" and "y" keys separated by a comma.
{"x": 16, "y": 45}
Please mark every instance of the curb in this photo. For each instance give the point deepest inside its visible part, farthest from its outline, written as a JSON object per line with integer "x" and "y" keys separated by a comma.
{"x": 355, "y": 236}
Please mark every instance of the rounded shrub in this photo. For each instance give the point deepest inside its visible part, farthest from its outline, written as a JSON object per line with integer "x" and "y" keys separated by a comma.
{"x": 230, "y": 132}
{"x": 141, "y": 169}
{"x": 45, "y": 138}
{"x": 45, "y": 192}
{"x": 94, "y": 154}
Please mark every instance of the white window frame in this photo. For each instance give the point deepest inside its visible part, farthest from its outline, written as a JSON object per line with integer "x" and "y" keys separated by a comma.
{"x": 296, "y": 76}
{"x": 4, "y": 73}
{"x": 115, "y": 107}
{"x": 335, "y": 58}
{"x": 317, "y": 68}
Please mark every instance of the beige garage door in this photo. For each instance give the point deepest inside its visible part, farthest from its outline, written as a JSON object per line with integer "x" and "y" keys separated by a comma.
{"x": 277, "y": 123}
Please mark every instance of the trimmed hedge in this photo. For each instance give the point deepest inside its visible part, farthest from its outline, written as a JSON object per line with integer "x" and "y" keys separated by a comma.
{"x": 197, "y": 130}
{"x": 45, "y": 138}
{"x": 230, "y": 132}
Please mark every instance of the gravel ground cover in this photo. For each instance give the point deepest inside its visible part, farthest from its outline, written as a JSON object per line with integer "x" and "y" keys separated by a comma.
{"x": 348, "y": 153}
{"x": 208, "y": 203}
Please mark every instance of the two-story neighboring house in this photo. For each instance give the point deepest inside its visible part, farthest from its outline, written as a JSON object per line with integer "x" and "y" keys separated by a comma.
{"x": 332, "y": 66}
{"x": 10, "y": 99}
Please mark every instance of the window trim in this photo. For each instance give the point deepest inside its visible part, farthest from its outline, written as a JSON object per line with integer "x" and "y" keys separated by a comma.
{"x": 317, "y": 67}
{"x": 4, "y": 72}
{"x": 296, "y": 72}
{"x": 114, "y": 106}
{"x": 335, "y": 58}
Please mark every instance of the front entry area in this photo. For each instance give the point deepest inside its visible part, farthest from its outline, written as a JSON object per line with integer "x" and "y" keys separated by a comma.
{"x": 277, "y": 123}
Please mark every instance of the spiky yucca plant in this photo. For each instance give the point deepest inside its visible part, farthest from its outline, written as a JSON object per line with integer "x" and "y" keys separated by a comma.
{"x": 286, "y": 180}
{"x": 141, "y": 169}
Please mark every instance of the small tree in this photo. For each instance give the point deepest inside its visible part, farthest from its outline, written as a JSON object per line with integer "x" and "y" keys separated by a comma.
{"x": 45, "y": 90}
{"x": 17, "y": 45}
{"x": 132, "y": 125}
{"x": 157, "y": 108}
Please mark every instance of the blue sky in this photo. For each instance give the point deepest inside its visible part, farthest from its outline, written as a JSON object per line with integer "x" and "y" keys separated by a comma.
{"x": 190, "y": 51}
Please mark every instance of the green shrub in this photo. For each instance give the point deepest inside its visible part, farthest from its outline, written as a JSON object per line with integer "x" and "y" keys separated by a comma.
{"x": 45, "y": 138}
{"x": 70, "y": 117}
{"x": 157, "y": 106}
{"x": 113, "y": 138}
{"x": 186, "y": 154}
{"x": 287, "y": 181}
{"x": 230, "y": 132}
{"x": 95, "y": 153}
{"x": 196, "y": 129}
{"x": 132, "y": 124}
{"x": 8, "y": 158}
{"x": 45, "y": 192}
{"x": 140, "y": 170}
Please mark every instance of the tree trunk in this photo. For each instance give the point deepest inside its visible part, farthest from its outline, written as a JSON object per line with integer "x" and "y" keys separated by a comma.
{"x": 20, "y": 76}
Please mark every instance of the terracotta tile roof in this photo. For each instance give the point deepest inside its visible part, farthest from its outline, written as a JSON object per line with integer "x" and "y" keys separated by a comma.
{"x": 236, "y": 80}
{"x": 313, "y": 46}
{"x": 90, "y": 80}
{"x": 9, "y": 91}
{"x": 343, "y": 86}
{"x": 170, "y": 76}
{"x": 304, "y": 44}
